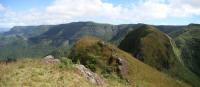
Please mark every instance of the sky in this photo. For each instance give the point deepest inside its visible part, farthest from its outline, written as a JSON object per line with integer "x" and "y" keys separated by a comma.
{"x": 45, "y": 12}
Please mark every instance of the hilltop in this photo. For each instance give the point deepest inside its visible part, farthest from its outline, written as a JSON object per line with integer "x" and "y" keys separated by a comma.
{"x": 151, "y": 46}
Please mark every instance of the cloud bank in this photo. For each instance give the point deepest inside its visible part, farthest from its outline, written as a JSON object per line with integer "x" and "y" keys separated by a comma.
{"x": 63, "y": 11}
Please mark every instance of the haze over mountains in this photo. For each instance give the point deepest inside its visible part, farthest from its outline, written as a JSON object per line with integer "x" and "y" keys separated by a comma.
{"x": 162, "y": 53}
{"x": 4, "y": 30}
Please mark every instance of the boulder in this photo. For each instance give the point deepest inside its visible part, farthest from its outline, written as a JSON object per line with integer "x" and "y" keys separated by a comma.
{"x": 90, "y": 76}
{"x": 122, "y": 66}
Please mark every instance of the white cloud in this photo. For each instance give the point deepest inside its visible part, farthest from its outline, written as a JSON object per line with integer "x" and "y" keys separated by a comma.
{"x": 184, "y": 8}
{"x": 84, "y": 8}
{"x": 62, "y": 11}
{"x": 150, "y": 10}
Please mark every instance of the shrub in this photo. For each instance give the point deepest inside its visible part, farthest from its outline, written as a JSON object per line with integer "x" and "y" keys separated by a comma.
{"x": 66, "y": 63}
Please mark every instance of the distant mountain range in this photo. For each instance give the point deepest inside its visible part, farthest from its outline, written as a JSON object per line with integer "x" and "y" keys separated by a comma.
{"x": 56, "y": 36}
{"x": 27, "y": 31}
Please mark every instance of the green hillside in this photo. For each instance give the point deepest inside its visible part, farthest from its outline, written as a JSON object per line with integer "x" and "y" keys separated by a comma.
{"x": 109, "y": 61}
{"x": 188, "y": 41}
{"x": 158, "y": 50}
{"x": 15, "y": 43}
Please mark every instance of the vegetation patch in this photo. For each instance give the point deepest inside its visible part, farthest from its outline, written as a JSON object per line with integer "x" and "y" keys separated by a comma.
{"x": 104, "y": 59}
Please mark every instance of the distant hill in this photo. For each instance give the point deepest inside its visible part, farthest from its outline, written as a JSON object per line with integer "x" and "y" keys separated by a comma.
{"x": 28, "y": 31}
{"x": 170, "y": 28}
{"x": 24, "y": 32}
{"x": 123, "y": 32}
{"x": 48, "y": 37}
{"x": 188, "y": 40}
{"x": 14, "y": 43}
{"x": 69, "y": 33}
{"x": 108, "y": 60}
{"x": 158, "y": 50}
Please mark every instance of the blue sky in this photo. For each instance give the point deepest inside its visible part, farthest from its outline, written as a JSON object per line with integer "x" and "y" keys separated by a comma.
{"x": 38, "y": 12}
{"x": 20, "y": 5}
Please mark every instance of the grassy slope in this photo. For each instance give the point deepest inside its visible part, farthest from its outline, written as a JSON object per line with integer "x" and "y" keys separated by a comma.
{"x": 139, "y": 74}
{"x": 158, "y": 50}
{"x": 150, "y": 46}
{"x": 34, "y": 73}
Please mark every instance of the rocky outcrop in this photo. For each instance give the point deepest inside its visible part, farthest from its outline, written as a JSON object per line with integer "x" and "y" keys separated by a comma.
{"x": 122, "y": 66}
{"x": 50, "y": 60}
{"x": 90, "y": 76}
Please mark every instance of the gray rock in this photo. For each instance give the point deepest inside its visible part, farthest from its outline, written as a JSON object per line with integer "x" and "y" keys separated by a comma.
{"x": 49, "y": 57}
{"x": 122, "y": 67}
{"x": 50, "y": 60}
{"x": 90, "y": 76}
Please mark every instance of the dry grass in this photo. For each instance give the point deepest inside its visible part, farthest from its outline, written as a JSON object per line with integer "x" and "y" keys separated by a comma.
{"x": 34, "y": 73}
